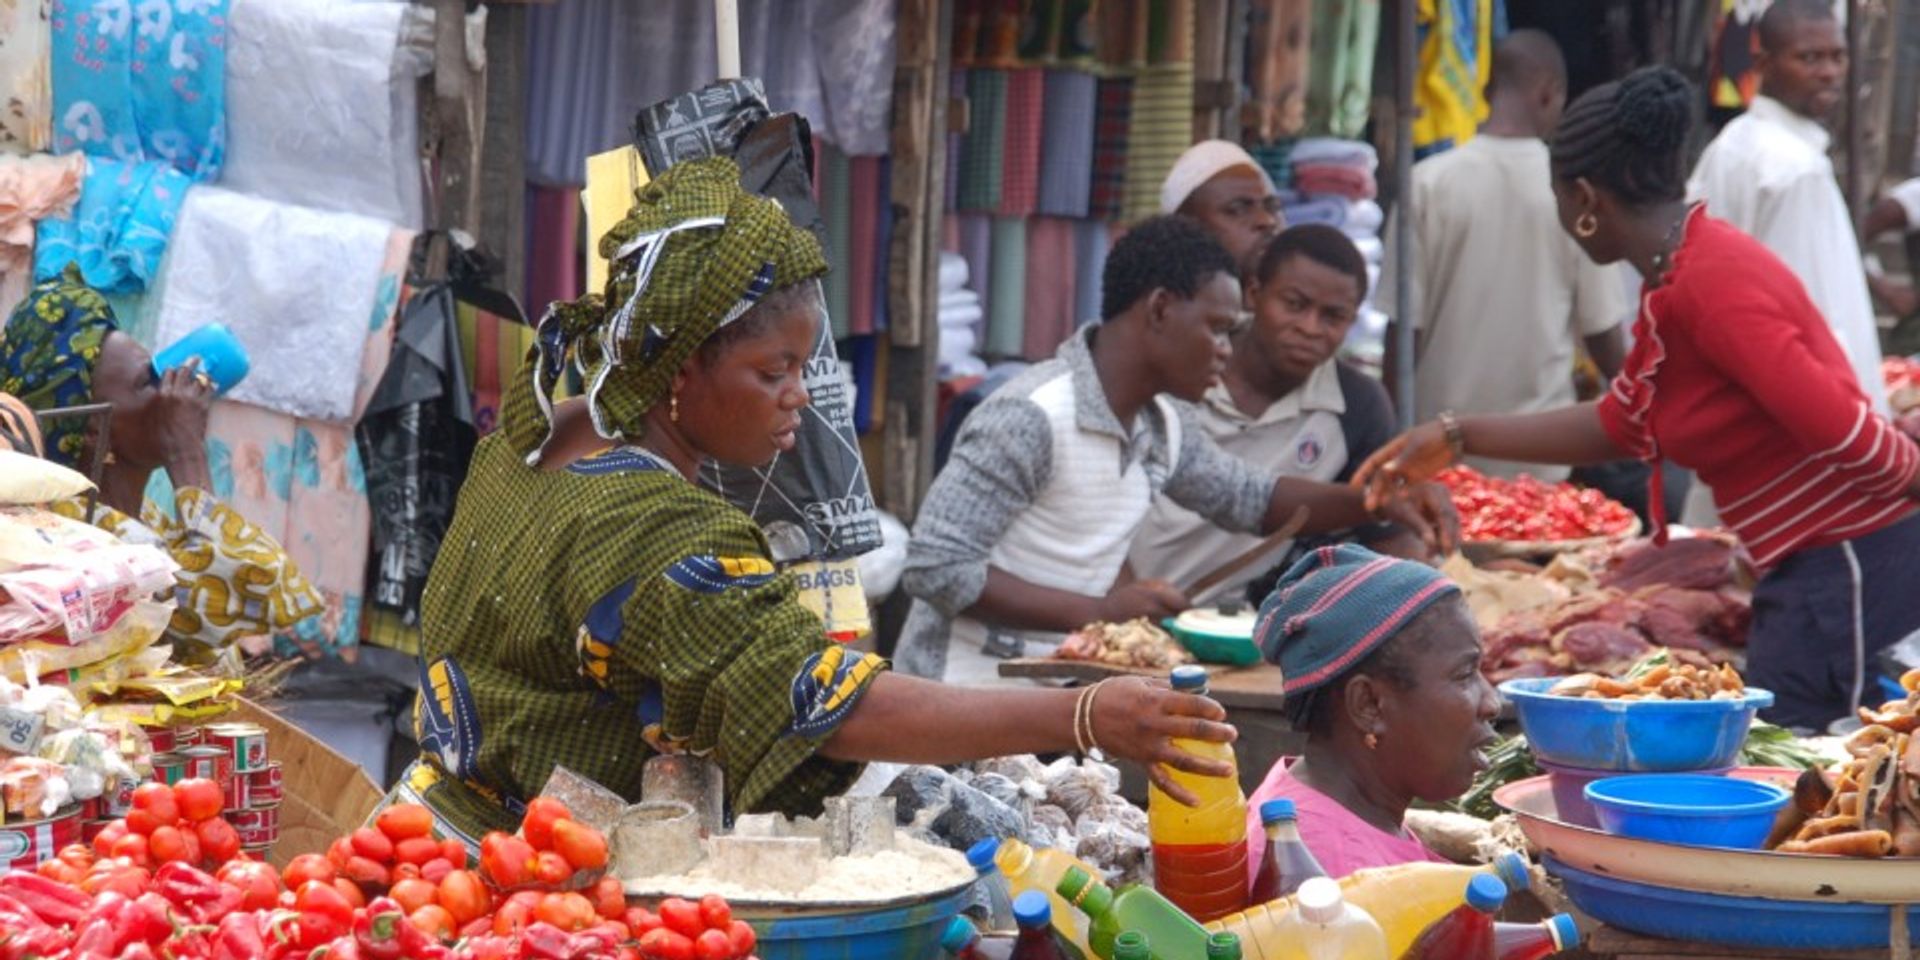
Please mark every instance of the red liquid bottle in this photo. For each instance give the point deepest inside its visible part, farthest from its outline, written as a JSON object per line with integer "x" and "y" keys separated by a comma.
{"x": 1467, "y": 932}
{"x": 962, "y": 942}
{"x": 1037, "y": 940}
{"x": 1288, "y": 862}
{"x": 1530, "y": 941}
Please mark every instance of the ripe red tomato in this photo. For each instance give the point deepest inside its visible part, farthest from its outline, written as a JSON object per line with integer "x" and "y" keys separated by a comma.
{"x": 609, "y": 898}
{"x": 307, "y": 867}
{"x": 256, "y": 881}
{"x": 435, "y": 870}
{"x": 190, "y": 838}
{"x": 516, "y": 914}
{"x": 713, "y": 945}
{"x": 537, "y": 826}
{"x": 551, "y": 869}
{"x": 145, "y": 822}
{"x": 78, "y": 856}
{"x": 404, "y": 821}
{"x": 434, "y": 921}
{"x": 156, "y": 799}
{"x": 664, "y": 944}
{"x": 640, "y": 920}
{"x": 350, "y": 892}
{"x": 506, "y": 859}
{"x": 134, "y": 847}
{"x": 583, "y": 847}
{"x": 108, "y": 836}
{"x": 682, "y": 917}
{"x": 198, "y": 798}
{"x": 219, "y": 842}
{"x": 371, "y": 876}
{"x": 372, "y": 844}
{"x": 741, "y": 935}
{"x": 413, "y": 894}
{"x": 714, "y": 911}
{"x": 165, "y": 845}
{"x": 456, "y": 853}
{"x": 415, "y": 850}
{"x": 317, "y": 899}
{"x": 568, "y": 911}
{"x": 465, "y": 896}
{"x": 339, "y": 852}
{"x": 60, "y": 872}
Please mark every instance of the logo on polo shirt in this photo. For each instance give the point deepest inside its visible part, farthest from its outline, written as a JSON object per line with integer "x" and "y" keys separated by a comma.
{"x": 1309, "y": 451}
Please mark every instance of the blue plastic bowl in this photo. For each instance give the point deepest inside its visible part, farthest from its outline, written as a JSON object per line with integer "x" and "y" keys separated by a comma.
{"x": 1751, "y": 922}
{"x": 1690, "y": 809}
{"x": 895, "y": 933}
{"x": 1633, "y": 736}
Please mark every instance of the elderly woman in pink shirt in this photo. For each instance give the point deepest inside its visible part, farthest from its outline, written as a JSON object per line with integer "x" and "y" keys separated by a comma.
{"x": 1382, "y": 666}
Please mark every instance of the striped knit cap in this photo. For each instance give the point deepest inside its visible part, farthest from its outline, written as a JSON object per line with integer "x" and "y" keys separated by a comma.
{"x": 1338, "y": 604}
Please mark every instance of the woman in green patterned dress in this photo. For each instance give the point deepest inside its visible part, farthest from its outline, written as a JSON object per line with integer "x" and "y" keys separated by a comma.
{"x": 591, "y": 606}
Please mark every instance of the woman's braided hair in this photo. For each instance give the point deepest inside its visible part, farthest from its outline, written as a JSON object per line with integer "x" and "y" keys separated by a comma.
{"x": 1629, "y": 137}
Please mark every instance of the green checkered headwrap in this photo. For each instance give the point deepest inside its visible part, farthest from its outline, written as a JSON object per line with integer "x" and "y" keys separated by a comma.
{"x": 694, "y": 253}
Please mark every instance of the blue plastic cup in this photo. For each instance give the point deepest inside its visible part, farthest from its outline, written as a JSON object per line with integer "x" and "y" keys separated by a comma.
{"x": 222, "y": 357}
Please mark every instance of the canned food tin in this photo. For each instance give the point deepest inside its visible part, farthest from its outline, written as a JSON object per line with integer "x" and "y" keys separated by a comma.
{"x": 162, "y": 739}
{"x": 90, "y": 829}
{"x": 118, "y": 800}
{"x": 247, "y": 742}
{"x": 257, "y": 852}
{"x": 169, "y": 768}
{"x": 238, "y": 794}
{"x": 265, "y": 786}
{"x": 208, "y": 763}
{"x": 28, "y": 843}
{"x": 90, "y": 809}
{"x": 257, "y": 828}
{"x": 185, "y": 736}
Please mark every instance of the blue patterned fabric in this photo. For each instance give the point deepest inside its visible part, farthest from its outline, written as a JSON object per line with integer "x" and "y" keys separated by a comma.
{"x": 140, "y": 87}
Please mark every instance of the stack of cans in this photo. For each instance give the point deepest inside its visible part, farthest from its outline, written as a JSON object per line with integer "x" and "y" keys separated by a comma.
{"x": 233, "y": 755}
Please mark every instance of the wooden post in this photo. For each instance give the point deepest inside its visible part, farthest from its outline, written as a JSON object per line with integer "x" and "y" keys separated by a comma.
{"x": 920, "y": 92}
{"x": 503, "y": 164}
{"x": 459, "y": 97}
{"x": 1405, "y": 63}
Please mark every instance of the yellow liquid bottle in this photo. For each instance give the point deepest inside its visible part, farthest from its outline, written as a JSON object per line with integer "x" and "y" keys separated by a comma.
{"x": 1200, "y": 852}
{"x": 1404, "y": 900}
{"x": 1041, "y": 869}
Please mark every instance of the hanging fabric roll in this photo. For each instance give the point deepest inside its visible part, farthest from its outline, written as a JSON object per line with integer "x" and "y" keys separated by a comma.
{"x": 980, "y": 169}
{"x": 1161, "y": 129}
{"x": 836, "y": 209}
{"x": 1340, "y": 92}
{"x": 1020, "y": 153}
{"x": 1007, "y": 300}
{"x": 1280, "y": 39}
{"x": 1050, "y": 286}
{"x": 882, "y": 243}
{"x": 1091, "y": 240}
{"x": 1066, "y": 153}
{"x": 956, "y": 142}
{"x": 864, "y": 205}
{"x": 1112, "y": 130}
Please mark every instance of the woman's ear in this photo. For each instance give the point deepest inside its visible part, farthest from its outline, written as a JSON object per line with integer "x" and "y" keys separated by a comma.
{"x": 1585, "y": 197}
{"x": 1361, "y": 700}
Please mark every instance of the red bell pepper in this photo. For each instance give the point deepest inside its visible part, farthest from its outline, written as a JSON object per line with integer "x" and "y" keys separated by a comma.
{"x": 108, "y": 929}
{"x": 377, "y": 929}
{"x": 191, "y": 943}
{"x": 343, "y": 947}
{"x": 26, "y": 942}
{"x": 485, "y": 947}
{"x": 138, "y": 951}
{"x": 544, "y": 941}
{"x": 185, "y": 885}
{"x": 54, "y": 902}
{"x": 152, "y": 920}
{"x": 238, "y": 938}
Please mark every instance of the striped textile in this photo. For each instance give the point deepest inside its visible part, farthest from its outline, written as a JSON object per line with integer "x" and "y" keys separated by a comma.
{"x": 980, "y": 169}
{"x": 1161, "y": 129}
{"x": 1050, "y": 286}
{"x": 1007, "y": 300}
{"x": 1066, "y": 156}
{"x": 1020, "y": 151}
{"x": 1107, "y": 196}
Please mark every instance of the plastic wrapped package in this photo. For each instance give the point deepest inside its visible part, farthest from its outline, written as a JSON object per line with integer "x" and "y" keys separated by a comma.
{"x": 1049, "y": 826}
{"x": 933, "y": 803}
{"x": 1018, "y": 768}
{"x": 1074, "y": 787}
{"x": 132, "y": 633}
{"x": 90, "y": 762}
{"x": 31, "y": 480}
{"x": 33, "y": 788}
{"x": 1120, "y": 851}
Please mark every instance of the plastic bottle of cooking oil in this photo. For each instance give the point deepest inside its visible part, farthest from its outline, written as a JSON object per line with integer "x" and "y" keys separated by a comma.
{"x": 1038, "y": 940}
{"x": 1172, "y": 935}
{"x": 1321, "y": 925}
{"x": 1200, "y": 852}
{"x": 1467, "y": 932}
{"x": 1041, "y": 869}
{"x": 1288, "y": 862}
{"x": 1531, "y": 941}
{"x": 1404, "y": 900}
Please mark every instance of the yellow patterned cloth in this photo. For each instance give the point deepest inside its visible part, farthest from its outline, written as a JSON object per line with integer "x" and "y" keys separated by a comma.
{"x": 1456, "y": 59}
{"x": 235, "y": 580}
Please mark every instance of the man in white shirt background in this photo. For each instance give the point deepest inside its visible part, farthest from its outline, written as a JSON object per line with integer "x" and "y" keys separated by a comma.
{"x": 1898, "y": 210}
{"x": 1502, "y": 297}
{"x": 1768, "y": 173}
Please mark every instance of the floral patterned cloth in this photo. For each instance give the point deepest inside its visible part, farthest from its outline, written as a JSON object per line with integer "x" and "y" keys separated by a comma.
{"x": 48, "y": 351}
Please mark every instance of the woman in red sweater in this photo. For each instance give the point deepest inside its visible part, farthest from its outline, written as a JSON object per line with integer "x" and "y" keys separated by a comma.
{"x": 1735, "y": 375}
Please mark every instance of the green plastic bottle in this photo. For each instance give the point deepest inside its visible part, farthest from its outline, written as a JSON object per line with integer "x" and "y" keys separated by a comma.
{"x": 1131, "y": 945}
{"x": 1171, "y": 934}
{"x": 1223, "y": 946}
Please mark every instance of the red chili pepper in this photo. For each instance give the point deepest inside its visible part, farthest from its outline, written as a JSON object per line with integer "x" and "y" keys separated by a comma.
{"x": 109, "y": 927}
{"x": 151, "y": 919}
{"x": 226, "y": 902}
{"x": 54, "y": 902}
{"x": 239, "y": 938}
{"x": 485, "y": 947}
{"x": 138, "y": 951}
{"x": 192, "y": 943}
{"x": 25, "y": 942}
{"x": 342, "y": 948}
{"x": 377, "y": 929}
{"x": 16, "y": 915}
{"x": 185, "y": 885}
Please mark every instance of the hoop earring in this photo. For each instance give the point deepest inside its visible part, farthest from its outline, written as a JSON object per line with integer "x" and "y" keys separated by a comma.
{"x": 1586, "y": 226}
{"x": 673, "y": 408}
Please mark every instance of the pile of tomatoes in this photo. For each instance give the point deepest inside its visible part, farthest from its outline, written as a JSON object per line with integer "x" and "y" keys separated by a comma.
{"x": 168, "y": 883}
{"x": 1527, "y": 510}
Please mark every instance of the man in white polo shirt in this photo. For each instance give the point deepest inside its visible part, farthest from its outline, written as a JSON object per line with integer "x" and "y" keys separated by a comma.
{"x": 1023, "y": 536}
{"x": 1898, "y": 210}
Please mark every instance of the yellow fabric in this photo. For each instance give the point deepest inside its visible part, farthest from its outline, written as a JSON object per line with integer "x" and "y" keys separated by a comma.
{"x": 612, "y": 177}
{"x": 235, "y": 580}
{"x": 1450, "y": 89}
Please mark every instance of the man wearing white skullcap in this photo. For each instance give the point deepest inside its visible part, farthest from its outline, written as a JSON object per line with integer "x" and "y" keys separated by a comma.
{"x": 1220, "y": 186}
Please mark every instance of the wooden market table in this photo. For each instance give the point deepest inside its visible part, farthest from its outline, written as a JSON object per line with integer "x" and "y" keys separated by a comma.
{"x": 1606, "y": 942}
{"x": 1251, "y": 695}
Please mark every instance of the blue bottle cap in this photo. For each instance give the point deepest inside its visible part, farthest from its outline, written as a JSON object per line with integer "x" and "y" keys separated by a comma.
{"x": 1566, "y": 935}
{"x": 959, "y": 933}
{"x": 980, "y": 855}
{"x": 1486, "y": 894}
{"x": 1281, "y": 809}
{"x": 1190, "y": 678}
{"x": 1511, "y": 868}
{"x": 1031, "y": 909}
